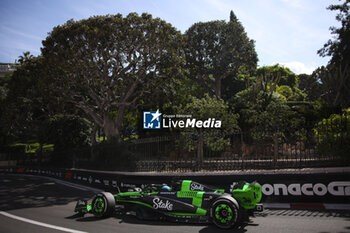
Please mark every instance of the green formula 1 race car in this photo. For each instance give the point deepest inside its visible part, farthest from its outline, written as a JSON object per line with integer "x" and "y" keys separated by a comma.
{"x": 183, "y": 201}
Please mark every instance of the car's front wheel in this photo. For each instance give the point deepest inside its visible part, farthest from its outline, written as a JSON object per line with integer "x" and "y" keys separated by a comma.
{"x": 103, "y": 204}
{"x": 224, "y": 214}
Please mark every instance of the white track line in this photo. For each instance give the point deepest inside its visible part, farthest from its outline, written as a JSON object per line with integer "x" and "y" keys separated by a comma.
{"x": 40, "y": 223}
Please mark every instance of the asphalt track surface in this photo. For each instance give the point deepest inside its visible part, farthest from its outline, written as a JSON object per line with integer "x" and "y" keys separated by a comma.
{"x": 37, "y": 204}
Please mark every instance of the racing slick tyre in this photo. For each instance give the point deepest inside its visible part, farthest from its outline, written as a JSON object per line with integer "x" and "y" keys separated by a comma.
{"x": 103, "y": 204}
{"x": 224, "y": 214}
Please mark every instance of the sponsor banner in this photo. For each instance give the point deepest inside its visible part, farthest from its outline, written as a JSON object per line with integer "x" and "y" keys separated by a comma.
{"x": 336, "y": 188}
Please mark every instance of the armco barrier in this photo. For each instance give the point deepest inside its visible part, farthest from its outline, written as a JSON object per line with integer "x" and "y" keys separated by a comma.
{"x": 332, "y": 187}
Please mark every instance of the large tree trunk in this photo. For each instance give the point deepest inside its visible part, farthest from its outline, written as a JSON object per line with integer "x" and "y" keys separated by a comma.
{"x": 93, "y": 135}
{"x": 112, "y": 127}
{"x": 93, "y": 152}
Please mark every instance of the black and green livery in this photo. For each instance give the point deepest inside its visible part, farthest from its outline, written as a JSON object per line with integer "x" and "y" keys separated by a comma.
{"x": 185, "y": 201}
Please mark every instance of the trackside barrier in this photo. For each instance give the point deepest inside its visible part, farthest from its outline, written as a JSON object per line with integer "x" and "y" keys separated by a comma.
{"x": 331, "y": 187}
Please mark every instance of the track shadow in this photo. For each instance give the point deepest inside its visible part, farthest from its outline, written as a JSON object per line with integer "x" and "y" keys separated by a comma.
{"x": 87, "y": 218}
{"x": 19, "y": 192}
{"x": 214, "y": 229}
{"x": 130, "y": 219}
{"x": 75, "y": 216}
{"x": 207, "y": 227}
{"x": 123, "y": 218}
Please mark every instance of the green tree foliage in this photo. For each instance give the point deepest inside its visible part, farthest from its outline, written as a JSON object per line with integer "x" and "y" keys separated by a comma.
{"x": 334, "y": 84}
{"x": 24, "y": 105}
{"x": 285, "y": 79}
{"x": 284, "y": 74}
{"x": 211, "y": 138}
{"x": 29, "y": 100}
{"x": 3, "y": 109}
{"x": 309, "y": 85}
{"x": 335, "y": 78}
{"x": 105, "y": 65}
{"x": 290, "y": 94}
{"x": 339, "y": 47}
{"x": 66, "y": 131}
{"x": 216, "y": 50}
{"x": 286, "y": 92}
{"x": 333, "y": 135}
{"x": 233, "y": 84}
{"x": 4, "y": 86}
{"x": 233, "y": 17}
{"x": 264, "y": 112}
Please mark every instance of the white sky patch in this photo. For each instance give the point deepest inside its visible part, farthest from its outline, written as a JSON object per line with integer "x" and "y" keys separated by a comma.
{"x": 19, "y": 33}
{"x": 220, "y": 5}
{"x": 297, "y": 67}
{"x": 294, "y": 3}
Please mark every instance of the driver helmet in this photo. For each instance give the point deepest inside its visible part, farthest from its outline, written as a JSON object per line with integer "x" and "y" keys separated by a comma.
{"x": 165, "y": 188}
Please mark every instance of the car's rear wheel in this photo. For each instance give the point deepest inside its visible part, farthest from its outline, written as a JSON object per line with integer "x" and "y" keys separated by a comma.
{"x": 103, "y": 204}
{"x": 224, "y": 214}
